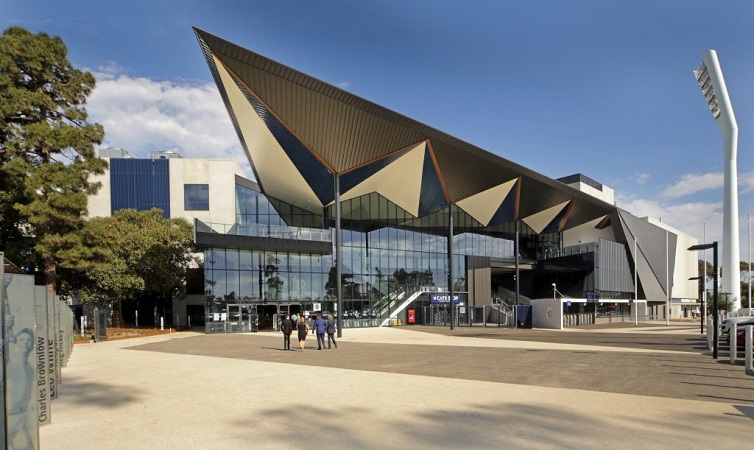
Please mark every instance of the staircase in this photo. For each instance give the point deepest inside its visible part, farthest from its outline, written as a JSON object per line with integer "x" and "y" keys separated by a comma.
{"x": 400, "y": 308}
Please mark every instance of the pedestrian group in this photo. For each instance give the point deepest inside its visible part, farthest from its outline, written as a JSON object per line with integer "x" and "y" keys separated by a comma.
{"x": 321, "y": 327}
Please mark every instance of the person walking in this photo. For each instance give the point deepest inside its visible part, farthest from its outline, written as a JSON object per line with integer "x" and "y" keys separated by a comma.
{"x": 286, "y": 326}
{"x": 331, "y": 331}
{"x": 303, "y": 330}
{"x": 320, "y": 326}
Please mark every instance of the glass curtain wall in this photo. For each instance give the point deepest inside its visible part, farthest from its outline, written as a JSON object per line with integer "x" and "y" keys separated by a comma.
{"x": 384, "y": 263}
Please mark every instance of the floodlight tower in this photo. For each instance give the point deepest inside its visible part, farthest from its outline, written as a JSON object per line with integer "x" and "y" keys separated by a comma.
{"x": 710, "y": 79}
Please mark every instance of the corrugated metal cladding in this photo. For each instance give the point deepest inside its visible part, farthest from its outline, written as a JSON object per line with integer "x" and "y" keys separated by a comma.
{"x": 140, "y": 184}
{"x": 347, "y": 131}
{"x": 656, "y": 247}
{"x": 611, "y": 266}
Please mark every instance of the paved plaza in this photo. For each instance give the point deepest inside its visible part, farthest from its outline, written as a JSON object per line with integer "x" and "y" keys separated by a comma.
{"x": 406, "y": 387}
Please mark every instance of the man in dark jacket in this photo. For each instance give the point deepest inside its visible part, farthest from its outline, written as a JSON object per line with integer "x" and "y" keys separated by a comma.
{"x": 320, "y": 326}
{"x": 286, "y": 326}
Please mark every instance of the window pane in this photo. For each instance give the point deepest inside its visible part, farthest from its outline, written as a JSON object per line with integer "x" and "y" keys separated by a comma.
{"x": 196, "y": 197}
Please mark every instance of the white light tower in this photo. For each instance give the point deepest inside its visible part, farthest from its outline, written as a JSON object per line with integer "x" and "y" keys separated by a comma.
{"x": 710, "y": 78}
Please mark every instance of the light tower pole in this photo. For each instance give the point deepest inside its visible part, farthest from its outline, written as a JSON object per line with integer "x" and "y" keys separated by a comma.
{"x": 710, "y": 79}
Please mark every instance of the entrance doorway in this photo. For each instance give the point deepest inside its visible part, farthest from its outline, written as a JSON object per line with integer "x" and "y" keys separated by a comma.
{"x": 240, "y": 318}
{"x": 195, "y": 315}
{"x": 267, "y": 315}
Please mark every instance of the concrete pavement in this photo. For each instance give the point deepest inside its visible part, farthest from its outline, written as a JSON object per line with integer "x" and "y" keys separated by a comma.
{"x": 421, "y": 387}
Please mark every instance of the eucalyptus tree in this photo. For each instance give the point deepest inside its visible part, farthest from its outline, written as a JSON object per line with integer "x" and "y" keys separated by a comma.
{"x": 132, "y": 253}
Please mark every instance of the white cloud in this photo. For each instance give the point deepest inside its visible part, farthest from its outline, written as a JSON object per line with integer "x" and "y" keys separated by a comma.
{"x": 691, "y": 183}
{"x": 343, "y": 84}
{"x": 143, "y": 115}
{"x": 642, "y": 178}
{"x": 746, "y": 182}
{"x": 688, "y": 217}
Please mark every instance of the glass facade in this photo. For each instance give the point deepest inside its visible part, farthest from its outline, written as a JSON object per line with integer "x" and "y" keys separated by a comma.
{"x": 384, "y": 262}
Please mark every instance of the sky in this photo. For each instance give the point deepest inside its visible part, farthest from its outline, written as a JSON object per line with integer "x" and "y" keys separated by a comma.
{"x": 603, "y": 88}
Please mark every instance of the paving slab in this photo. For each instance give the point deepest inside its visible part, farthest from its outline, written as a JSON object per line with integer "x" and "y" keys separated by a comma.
{"x": 421, "y": 387}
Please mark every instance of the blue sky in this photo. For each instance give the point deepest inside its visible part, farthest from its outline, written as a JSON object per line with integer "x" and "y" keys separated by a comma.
{"x": 604, "y": 88}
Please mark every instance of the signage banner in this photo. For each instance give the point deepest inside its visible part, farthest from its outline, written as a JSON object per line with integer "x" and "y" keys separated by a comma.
{"x": 3, "y": 312}
{"x": 52, "y": 382}
{"x": 57, "y": 329}
{"x": 41, "y": 351}
{"x": 20, "y": 363}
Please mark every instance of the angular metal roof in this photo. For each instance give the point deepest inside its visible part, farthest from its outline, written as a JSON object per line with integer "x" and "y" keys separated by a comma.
{"x": 299, "y": 131}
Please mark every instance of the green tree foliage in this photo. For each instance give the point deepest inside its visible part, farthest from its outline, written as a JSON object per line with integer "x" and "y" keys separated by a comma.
{"x": 705, "y": 267}
{"x": 132, "y": 253}
{"x": 46, "y": 152}
{"x": 745, "y": 277}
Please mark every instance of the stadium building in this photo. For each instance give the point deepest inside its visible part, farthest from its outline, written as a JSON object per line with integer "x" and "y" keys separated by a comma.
{"x": 417, "y": 217}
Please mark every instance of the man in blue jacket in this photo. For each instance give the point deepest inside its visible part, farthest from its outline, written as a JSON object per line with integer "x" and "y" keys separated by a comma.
{"x": 320, "y": 326}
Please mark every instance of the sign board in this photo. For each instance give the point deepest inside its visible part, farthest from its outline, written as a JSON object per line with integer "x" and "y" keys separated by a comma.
{"x": 593, "y": 296}
{"x": 443, "y": 298}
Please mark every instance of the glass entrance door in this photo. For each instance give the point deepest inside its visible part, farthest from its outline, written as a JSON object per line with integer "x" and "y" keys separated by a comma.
{"x": 240, "y": 318}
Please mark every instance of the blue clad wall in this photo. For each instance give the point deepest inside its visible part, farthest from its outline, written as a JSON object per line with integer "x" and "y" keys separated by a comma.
{"x": 140, "y": 184}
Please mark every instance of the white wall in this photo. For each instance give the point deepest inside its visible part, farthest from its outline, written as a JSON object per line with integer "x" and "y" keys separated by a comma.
{"x": 218, "y": 174}
{"x": 606, "y": 194}
{"x": 99, "y": 205}
{"x": 547, "y": 313}
{"x": 587, "y": 232}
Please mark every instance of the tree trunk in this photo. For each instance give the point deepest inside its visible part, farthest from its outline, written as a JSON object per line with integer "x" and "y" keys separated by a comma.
{"x": 117, "y": 318}
{"x": 50, "y": 273}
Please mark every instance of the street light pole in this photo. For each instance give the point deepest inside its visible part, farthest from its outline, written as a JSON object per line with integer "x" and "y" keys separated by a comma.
{"x": 715, "y": 338}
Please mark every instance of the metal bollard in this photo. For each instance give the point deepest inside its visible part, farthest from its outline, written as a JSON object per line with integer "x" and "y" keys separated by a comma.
{"x": 748, "y": 351}
{"x": 709, "y": 334}
{"x": 733, "y": 337}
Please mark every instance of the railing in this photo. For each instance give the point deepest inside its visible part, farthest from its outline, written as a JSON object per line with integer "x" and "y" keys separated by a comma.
{"x": 403, "y": 306}
{"x": 385, "y": 305}
{"x": 578, "y": 249}
{"x": 260, "y": 230}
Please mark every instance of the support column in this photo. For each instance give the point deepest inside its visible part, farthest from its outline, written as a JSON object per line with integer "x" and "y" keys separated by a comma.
{"x": 517, "y": 257}
{"x": 450, "y": 266}
{"x": 338, "y": 259}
